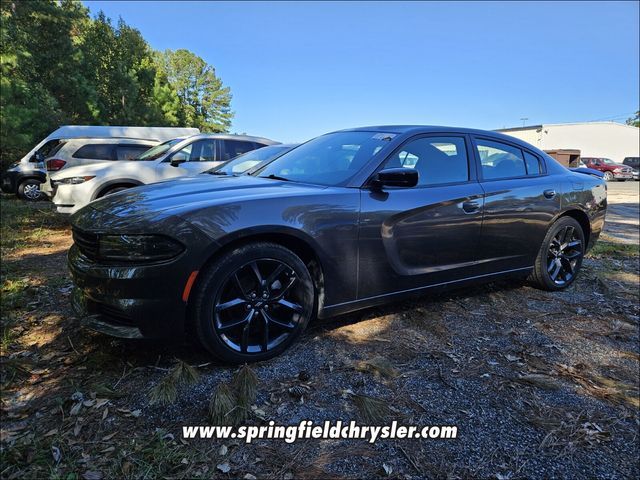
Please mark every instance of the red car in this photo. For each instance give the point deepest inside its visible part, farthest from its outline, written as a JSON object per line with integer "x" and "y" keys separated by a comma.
{"x": 610, "y": 169}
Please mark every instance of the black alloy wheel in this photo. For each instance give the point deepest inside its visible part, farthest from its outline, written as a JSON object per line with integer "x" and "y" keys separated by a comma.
{"x": 564, "y": 252}
{"x": 560, "y": 256}
{"x": 254, "y": 303}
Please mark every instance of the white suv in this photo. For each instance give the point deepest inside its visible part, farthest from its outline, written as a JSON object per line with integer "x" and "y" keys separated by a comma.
{"x": 82, "y": 151}
{"x": 72, "y": 188}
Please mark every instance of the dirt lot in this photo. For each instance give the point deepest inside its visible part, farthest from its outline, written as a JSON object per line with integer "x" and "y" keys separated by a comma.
{"x": 538, "y": 384}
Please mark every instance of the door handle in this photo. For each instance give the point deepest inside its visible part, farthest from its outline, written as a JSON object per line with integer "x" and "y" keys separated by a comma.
{"x": 549, "y": 193}
{"x": 470, "y": 206}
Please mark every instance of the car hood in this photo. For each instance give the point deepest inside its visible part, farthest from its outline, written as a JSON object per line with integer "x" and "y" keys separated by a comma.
{"x": 174, "y": 197}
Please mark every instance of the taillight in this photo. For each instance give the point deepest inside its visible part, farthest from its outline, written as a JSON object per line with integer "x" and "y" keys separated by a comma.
{"x": 55, "y": 164}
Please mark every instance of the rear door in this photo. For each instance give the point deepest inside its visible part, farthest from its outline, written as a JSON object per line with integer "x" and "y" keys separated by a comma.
{"x": 520, "y": 202}
{"x": 428, "y": 234}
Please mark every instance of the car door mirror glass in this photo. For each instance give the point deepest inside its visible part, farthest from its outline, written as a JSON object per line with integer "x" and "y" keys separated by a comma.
{"x": 178, "y": 158}
{"x": 396, "y": 177}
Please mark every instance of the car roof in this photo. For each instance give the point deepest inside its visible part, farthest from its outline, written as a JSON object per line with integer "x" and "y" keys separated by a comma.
{"x": 87, "y": 140}
{"x": 231, "y": 136}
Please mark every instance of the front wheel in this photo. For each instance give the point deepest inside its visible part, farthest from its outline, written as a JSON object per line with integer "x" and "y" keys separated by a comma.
{"x": 608, "y": 176}
{"x": 253, "y": 303}
{"x": 29, "y": 190}
{"x": 560, "y": 256}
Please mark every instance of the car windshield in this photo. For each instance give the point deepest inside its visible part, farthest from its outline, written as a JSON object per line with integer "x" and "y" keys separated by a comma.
{"x": 330, "y": 160}
{"x": 159, "y": 150}
{"x": 249, "y": 160}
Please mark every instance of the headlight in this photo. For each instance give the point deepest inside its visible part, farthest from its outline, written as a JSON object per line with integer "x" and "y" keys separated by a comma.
{"x": 72, "y": 180}
{"x": 618, "y": 170}
{"x": 138, "y": 247}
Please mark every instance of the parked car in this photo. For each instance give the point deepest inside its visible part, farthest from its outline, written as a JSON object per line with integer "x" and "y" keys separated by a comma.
{"x": 83, "y": 151}
{"x": 24, "y": 177}
{"x": 633, "y": 162}
{"x": 245, "y": 163}
{"x": 610, "y": 169}
{"x": 74, "y": 187}
{"x": 349, "y": 220}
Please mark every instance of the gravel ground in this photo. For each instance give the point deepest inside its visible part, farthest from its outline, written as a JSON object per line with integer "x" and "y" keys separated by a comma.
{"x": 539, "y": 384}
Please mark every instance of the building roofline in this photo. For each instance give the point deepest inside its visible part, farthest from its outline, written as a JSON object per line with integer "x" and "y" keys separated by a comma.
{"x": 535, "y": 127}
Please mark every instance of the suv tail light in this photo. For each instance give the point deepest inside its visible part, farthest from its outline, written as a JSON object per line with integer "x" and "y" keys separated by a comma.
{"x": 55, "y": 164}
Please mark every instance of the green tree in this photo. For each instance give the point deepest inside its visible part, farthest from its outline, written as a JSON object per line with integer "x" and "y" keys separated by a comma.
{"x": 635, "y": 120}
{"x": 205, "y": 101}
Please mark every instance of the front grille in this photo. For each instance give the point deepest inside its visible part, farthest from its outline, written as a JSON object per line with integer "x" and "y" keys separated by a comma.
{"x": 86, "y": 242}
{"x": 114, "y": 315}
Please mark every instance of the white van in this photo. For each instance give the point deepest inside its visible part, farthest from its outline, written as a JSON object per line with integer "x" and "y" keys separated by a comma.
{"x": 24, "y": 177}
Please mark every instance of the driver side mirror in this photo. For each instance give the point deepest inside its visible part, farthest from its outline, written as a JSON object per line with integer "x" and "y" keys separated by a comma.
{"x": 396, "y": 177}
{"x": 177, "y": 159}
{"x": 37, "y": 157}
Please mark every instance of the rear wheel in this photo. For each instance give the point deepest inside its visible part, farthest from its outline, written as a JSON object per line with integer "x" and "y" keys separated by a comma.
{"x": 560, "y": 256}
{"x": 253, "y": 303}
{"x": 29, "y": 190}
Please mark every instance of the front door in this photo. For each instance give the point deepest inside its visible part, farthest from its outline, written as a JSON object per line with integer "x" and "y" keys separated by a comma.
{"x": 195, "y": 158}
{"x": 428, "y": 234}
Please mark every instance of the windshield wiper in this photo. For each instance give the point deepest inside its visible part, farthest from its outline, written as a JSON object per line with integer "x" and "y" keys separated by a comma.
{"x": 276, "y": 177}
{"x": 219, "y": 172}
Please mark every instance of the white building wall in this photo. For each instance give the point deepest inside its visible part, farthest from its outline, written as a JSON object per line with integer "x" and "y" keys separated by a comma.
{"x": 598, "y": 139}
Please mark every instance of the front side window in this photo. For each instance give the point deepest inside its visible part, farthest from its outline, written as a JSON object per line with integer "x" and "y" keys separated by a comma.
{"x": 95, "y": 151}
{"x": 200, "y": 151}
{"x": 331, "y": 159}
{"x": 156, "y": 152}
{"x": 500, "y": 160}
{"x": 437, "y": 160}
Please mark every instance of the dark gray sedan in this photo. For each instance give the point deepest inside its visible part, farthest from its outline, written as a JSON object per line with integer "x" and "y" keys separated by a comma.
{"x": 348, "y": 220}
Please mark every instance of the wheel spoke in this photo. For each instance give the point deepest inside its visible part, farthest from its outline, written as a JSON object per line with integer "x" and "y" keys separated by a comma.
{"x": 286, "y": 288}
{"x": 573, "y": 243}
{"x": 265, "y": 334}
{"x": 572, "y": 255}
{"x": 231, "y": 303}
{"x": 244, "y": 342}
{"x": 274, "y": 275}
{"x": 288, "y": 326}
{"x": 231, "y": 325}
{"x": 256, "y": 271}
{"x": 551, "y": 264}
{"x": 554, "y": 274}
{"x": 568, "y": 234}
{"x": 293, "y": 306}
{"x": 239, "y": 285}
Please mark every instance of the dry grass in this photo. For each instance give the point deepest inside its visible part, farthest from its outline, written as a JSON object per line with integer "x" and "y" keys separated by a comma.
{"x": 378, "y": 366}
{"x": 166, "y": 391}
{"x": 372, "y": 410}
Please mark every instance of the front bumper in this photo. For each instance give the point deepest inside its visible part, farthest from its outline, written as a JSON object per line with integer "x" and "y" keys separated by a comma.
{"x": 623, "y": 175}
{"x": 131, "y": 301}
{"x": 71, "y": 198}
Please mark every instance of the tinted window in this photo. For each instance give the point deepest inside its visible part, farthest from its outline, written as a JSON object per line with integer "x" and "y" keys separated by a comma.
{"x": 533, "y": 164}
{"x": 128, "y": 152}
{"x": 437, "y": 160}
{"x": 500, "y": 160}
{"x": 233, "y": 148}
{"x": 95, "y": 151}
{"x": 200, "y": 151}
{"x": 50, "y": 147}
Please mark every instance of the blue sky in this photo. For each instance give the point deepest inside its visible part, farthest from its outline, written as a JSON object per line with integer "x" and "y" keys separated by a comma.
{"x": 297, "y": 70}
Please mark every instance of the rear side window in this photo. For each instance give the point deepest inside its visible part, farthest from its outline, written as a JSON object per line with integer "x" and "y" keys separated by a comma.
{"x": 233, "y": 148}
{"x": 128, "y": 152}
{"x": 438, "y": 160}
{"x": 95, "y": 151}
{"x": 500, "y": 160}
{"x": 533, "y": 164}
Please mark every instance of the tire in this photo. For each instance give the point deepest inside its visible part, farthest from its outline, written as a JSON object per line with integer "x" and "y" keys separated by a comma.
{"x": 239, "y": 319}
{"x": 608, "y": 176}
{"x": 112, "y": 190}
{"x": 29, "y": 190}
{"x": 560, "y": 257}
